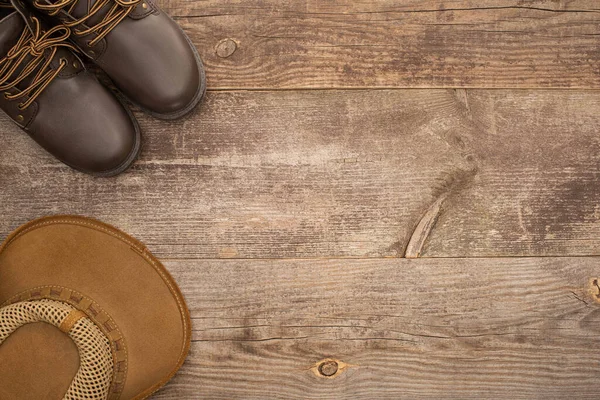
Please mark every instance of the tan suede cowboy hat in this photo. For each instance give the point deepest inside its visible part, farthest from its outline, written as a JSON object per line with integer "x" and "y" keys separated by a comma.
{"x": 86, "y": 312}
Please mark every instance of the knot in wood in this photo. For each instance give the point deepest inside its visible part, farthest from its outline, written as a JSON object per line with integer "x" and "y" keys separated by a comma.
{"x": 226, "y": 47}
{"x": 595, "y": 289}
{"x": 328, "y": 368}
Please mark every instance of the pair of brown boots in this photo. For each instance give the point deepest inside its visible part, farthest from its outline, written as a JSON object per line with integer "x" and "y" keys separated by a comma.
{"x": 48, "y": 92}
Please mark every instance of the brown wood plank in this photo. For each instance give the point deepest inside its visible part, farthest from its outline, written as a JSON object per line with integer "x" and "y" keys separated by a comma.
{"x": 446, "y": 328}
{"x": 389, "y": 43}
{"x": 537, "y": 186}
{"x": 367, "y": 173}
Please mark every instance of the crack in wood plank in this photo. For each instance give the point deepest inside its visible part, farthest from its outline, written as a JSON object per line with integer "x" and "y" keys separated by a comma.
{"x": 397, "y": 11}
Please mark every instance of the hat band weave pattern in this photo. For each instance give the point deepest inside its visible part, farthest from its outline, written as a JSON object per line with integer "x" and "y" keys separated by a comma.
{"x": 93, "y": 379}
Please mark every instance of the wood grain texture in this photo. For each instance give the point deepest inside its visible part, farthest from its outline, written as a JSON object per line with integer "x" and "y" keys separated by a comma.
{"x": 390, "y": 43}
{"x": 451, "y": 328}
{"x": 341, "y": 174}
{"x": 537, "y": 186}
{"x": 316, "y": 195}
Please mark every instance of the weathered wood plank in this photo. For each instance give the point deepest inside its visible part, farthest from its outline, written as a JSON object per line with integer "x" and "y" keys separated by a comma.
{"x": 258, "y": 175}
{"x": 445, "y": 328}
{"x": 538, "y": 183}
{"x": 390, "y": 43}
{"x": 342, "y": 174}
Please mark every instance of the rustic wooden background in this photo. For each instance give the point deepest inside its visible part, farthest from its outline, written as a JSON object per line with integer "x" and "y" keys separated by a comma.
{"x": 378, "y": 199}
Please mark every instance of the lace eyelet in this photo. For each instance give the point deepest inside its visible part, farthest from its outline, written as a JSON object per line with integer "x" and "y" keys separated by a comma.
{"x": 91, "y": 51}
{"x": 64, "y": 61}
{"x": 6, "y": 95}
{"x": 20, "y": 106}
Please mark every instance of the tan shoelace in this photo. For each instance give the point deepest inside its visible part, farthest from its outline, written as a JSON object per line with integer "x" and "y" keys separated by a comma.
{"x": 32, "y": 46}
{"x": 118, "y": 12}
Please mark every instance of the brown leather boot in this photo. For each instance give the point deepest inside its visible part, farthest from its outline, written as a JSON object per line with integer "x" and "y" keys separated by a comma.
{"x": 46, "y": 90}
{"x": 145, "y": 53}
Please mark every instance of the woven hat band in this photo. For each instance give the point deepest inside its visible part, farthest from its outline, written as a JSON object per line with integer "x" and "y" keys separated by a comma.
{"x": 95, "y": 373}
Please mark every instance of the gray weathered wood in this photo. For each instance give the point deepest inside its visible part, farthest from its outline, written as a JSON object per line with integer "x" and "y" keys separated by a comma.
{"x": 341, "y": 174}
{"x": 391, "y": 43}
{"x": 448, "y": 328}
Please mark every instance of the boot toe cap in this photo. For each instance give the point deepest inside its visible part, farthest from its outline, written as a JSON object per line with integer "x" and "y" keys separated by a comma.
{"x": 109, "y": 156}
{"x": 82, "y": 124}
{"x": 164, "y": 73}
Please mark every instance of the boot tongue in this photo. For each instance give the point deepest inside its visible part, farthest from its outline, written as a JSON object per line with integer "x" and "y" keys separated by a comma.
{"x": 82, "y": 7}
{"x": 12, "y": 28}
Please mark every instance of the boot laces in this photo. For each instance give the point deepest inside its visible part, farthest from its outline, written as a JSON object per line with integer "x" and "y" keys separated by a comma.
{"x": 119, "y": 10}
{"x": 28, "y": 53}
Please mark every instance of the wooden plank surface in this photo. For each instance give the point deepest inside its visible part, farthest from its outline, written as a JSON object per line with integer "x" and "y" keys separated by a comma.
{"x": 365, "y": 173}
{"x": 389, "y": 43}
{"x": 447, "y": 328}
{"x": 342, "y": 210}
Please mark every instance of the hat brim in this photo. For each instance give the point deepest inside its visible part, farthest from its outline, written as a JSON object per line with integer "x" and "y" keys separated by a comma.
{"x": 115, "y": 281}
